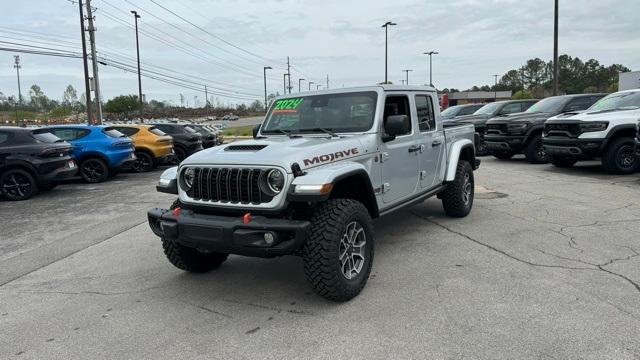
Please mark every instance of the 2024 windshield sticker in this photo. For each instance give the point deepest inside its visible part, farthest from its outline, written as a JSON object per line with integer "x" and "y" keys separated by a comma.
{"x": 287, "y": 105}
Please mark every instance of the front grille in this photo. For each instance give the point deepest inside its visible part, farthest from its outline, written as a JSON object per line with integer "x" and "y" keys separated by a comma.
{"x": 497, "y": 129}
{"x": 228, "y": 185}
{"x": 245, "y": 147}
{"x": 562, "y": 130}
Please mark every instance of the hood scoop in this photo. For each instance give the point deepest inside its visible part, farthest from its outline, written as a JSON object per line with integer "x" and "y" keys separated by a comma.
{"x": 245, "y": 147}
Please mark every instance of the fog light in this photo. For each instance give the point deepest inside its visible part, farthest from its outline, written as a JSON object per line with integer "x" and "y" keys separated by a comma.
{"x": 269, "y": 238}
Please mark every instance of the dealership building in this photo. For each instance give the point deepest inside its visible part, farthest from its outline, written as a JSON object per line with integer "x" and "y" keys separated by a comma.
{"x": 474, "y": 97}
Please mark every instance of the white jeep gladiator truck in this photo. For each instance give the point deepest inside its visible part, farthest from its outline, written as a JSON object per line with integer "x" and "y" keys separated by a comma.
{"x": 606, "y": 130}
{"x": 321, "y": 166}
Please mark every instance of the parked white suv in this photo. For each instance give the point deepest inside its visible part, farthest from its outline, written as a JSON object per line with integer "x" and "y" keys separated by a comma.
{"x": 606, "y": 130}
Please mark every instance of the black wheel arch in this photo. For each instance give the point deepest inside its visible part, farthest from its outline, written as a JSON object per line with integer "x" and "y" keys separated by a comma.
{"x": 94, "y": 154}
{"x": 22, "y": 165}
{"x": 621, "y": 130}
{"x": 531, "y": 133}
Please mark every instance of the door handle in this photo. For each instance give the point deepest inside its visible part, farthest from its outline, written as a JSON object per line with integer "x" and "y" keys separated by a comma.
{"x": 436, "y": 143}
{"x": 414, "y": 148}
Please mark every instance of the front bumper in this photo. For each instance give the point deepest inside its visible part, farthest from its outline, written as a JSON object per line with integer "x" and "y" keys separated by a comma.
{"x": 638, "y": 147}
{"x": 229, "y": 234}
{"x": 504, "y": 143}
{"x": 573, "y": 148}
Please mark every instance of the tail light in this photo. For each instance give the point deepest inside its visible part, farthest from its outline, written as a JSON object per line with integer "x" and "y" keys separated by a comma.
{"x": 54, "y": 152}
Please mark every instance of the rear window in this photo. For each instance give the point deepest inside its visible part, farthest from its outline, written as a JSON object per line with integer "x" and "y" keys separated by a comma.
{"x": 44, "y": 136}
{"x": 3, "y": 137}
{"x": 156, "y": 131}
{"x": 113, "y": 133}
{"x": 190, "y": 130}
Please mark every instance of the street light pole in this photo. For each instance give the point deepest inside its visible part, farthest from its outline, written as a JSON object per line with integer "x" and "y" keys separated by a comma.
{"x": 136, "y": 17}
{"x": 556, "y": 70}
{"x": 300, "y": 83}
{"x": 495, "y": 87}
{"x": 386, "y": 48}
{"x": 431, "y": 53}
{"x": 265, "y": 86}
{"x": 407, "y": 77}
{"x": 310, "y": 82}
{"x": 284, "y": 82}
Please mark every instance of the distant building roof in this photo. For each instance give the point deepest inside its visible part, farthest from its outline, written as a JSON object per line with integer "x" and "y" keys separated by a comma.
{"x": 471, "y": 95}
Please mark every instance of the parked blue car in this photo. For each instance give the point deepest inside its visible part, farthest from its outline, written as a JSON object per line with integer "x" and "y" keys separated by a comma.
{"x": 100, "y": 151}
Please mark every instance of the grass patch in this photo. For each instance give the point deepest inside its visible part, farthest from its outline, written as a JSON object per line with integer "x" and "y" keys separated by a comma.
{"x": 239, "y": 131}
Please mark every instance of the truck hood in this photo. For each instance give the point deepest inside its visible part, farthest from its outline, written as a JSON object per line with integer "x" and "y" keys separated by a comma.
{"x": 472, "y": 119}
{"x": 600, "y": 115}
{"x": 306, "y": 151}
{"x": 537, "y": 117}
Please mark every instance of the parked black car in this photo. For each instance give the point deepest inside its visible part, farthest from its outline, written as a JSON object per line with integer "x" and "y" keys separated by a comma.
{"x": 491, "y": 110}
{"x": 32, "y": 160}
{"x": 186, "y": 140}
{"x": 453, "y": 112}
{"x": 209, "y": 138}
{"x": 522, "y": 132}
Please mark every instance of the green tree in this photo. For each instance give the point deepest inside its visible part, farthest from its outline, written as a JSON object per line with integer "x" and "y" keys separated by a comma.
{"x": 122, "y": 104}
{"x": 522, "y": 94}
{"x": 69, "y": 97}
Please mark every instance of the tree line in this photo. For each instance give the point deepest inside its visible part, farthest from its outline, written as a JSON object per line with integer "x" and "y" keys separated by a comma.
{"x": 535, "y": 78}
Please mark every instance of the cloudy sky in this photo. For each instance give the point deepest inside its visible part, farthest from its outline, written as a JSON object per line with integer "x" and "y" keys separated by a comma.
{"x": 231, "y": 40}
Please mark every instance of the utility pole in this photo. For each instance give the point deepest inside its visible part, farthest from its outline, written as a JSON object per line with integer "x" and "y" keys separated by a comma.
{"x": 407, "y": 77}
{"x": 17, "y": 66}
{"x": 556, "y": 70}
{"x": 431, "y": 53}
{"x": 284, "y": 82}
{"x": 86, "y": 66}
{"x": 386, "y": 52}
{"x": 206, "y": 101}
{"x": 495, "y": 87}
{"x": 327, "y": 81}
{"x": 300, "y": 83}
{"x": 94, "y": 60}
{"x": 136, "y": 17}
{"x": 266, "y": 105}
{"x": 289, "y": 73}
{"x": 310, "y": 82}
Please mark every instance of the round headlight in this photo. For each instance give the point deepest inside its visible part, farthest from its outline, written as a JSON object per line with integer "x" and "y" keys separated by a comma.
{"x": 275, "y": 181}
{"x": 187, "y": 178}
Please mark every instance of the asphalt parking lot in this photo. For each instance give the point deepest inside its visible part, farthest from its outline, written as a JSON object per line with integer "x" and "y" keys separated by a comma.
{"x": 547, "y": 266}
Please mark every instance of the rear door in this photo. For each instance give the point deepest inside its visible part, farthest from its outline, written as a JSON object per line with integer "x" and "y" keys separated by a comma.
{"x": 430, "y": 141}
{"x": 399, "y": 156}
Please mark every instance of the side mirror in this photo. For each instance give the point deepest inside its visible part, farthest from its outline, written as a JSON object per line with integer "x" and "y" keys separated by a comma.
{"x": 256, "y": 129}
{"x": 394, "y": 126}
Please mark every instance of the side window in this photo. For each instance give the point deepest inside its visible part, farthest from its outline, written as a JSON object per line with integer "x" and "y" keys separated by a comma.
{"x": 127, "y": 130}
{"x": 3, "y": 137}
{"x": 165, "y": 129}
{"x": 527, "y": 104}
{"x": 511, "y": 108}
{"x": 65, "y": 134}
{"x": 80, "y": 133}
{"x": 467, "y": 110}
{"x": 426, "y": 117}
{"x": 398, "y": 105}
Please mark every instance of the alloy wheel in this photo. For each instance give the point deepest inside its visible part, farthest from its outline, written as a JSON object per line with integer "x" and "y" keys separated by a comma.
{"x": 625, "y": 157}
{"x": 466, "y": 189}
{"x": 352, "y": 250}
{"x": 92, "y": 170}
{"x": 16, "y": 185}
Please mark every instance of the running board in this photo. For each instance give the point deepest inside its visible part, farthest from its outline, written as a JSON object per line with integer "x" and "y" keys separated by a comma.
{"x": 420, "y": 198}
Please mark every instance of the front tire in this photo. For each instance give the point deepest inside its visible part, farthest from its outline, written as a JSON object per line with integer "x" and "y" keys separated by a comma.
{"x": 457, "y": 198}
{"x": 481, "y": 148}
{"x": 502, "y": 155}
{"x": 190, "y": 259}
{"x": 338, "y": 254}
{"x": 534, "y": 152}
{"x": 17, "y": 185}
{"x": 620, "y": 157}
{"x": 180, "y": 155}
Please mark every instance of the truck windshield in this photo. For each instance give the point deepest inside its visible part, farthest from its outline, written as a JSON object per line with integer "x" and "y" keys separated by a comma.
{"x": 451, "y": 112}
{"x": 347, "y": 112}
{"x": 488, "y": 109}
{"x": 549, "y": 105}
{"x": 628, "y": 100}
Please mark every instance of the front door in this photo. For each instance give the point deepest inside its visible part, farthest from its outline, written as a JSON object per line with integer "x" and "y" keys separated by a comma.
{"x": 399, "y": 156}
{"x": 431, "y": 142}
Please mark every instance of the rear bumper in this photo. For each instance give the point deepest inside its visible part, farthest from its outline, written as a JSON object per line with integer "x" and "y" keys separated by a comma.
{"x": 573, "y": 148}
{"x": 229, "y": 234}
{"x": 504, "y": 143}
{"x": 127, "y": 162}
{"x": 59, "y": 174}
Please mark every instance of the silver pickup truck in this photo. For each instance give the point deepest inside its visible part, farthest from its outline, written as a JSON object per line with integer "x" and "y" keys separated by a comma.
{"x": 321, "y": 166}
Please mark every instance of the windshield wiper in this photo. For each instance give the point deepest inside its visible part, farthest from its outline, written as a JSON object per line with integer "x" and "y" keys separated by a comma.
{"x": 285, "y": 132}
{"x": 324, "y": 130}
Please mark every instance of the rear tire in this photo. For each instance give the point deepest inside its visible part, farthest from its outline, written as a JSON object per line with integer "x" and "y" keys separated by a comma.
{"x": 481, "y": 148}
{"x": 190, "y": 259}
{"x": 144, "y": 162}
{"x": 338, "y": 254}
{"x": 94, "y": 170}
{"x": 457, "y": 198}
{"x": 534, "y": 152}
{"x": 180, "y": 154}
{"x": 17, "y": 185}
{"x": 561, "y": 162}
{"x": 620, "y": 157}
